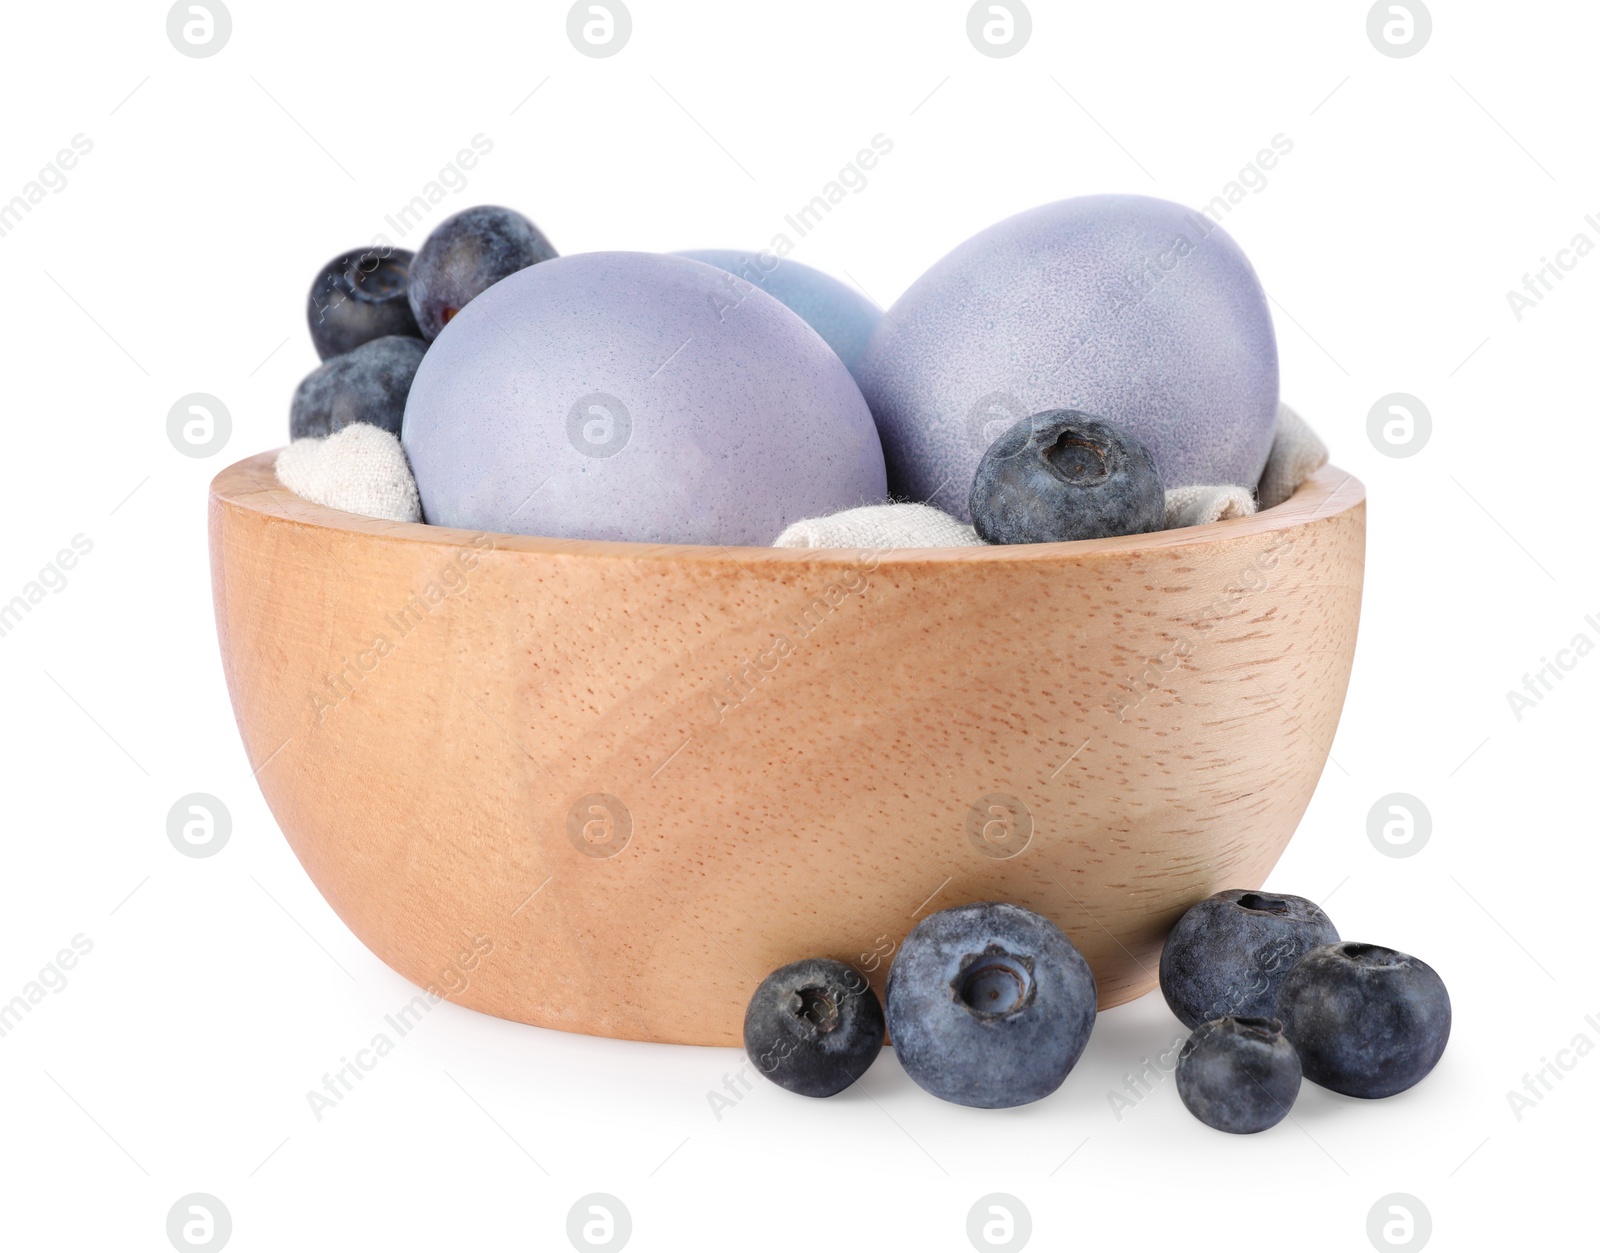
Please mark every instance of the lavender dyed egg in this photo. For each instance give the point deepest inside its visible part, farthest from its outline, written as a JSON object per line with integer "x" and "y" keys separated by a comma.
{"x": 1133, "y": 309}
{"x": 841, "y": 315}
{"x": 634, "y": 396}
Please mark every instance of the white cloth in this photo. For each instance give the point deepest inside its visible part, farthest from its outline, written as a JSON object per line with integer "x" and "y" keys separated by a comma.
{"x": 1297, "y": 453}
{"x": 1195, "y": 506}
{"x": 880, "y": 527}
{"x": 923, "y": 526}
{"x": 360, "y": 469}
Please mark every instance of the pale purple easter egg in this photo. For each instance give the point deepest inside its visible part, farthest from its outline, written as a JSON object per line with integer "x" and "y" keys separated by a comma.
{"x": 1132, "y": 309}
{"x": 635, "y": 396}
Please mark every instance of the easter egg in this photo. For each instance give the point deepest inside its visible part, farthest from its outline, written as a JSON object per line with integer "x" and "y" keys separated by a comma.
{"x": 841, "y": 315}
{"x": 1132, "y": 309}
{"x": 635, "y": 396}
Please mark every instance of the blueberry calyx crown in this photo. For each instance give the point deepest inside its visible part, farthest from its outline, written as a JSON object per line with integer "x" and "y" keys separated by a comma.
{"x": 375, "y": 284}
{"x": 1263, "y": 904}
{"x": 1264, "y": 1029}
{"x": 994, "y": 983}
{"x": 1077, "y": 458}
{"x": 1371, "y": 956}
{"x": 816, "y": 1007}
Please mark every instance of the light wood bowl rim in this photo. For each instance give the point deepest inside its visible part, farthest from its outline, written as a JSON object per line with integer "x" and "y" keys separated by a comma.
{"x": 252, "y": 484}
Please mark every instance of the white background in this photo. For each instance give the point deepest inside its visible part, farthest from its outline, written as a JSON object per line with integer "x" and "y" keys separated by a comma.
{"x": 218, "y": 991}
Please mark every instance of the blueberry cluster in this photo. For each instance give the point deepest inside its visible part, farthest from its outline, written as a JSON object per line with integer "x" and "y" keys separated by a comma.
{"x": 374, "y": 311}
{"x": 991, "y": 1005}
{"x": 1273, "y": 994}
{"x": 988, "y": 1005}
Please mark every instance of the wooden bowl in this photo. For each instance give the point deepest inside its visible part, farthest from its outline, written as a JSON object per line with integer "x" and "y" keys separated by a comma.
{"x": 608, "y": 787}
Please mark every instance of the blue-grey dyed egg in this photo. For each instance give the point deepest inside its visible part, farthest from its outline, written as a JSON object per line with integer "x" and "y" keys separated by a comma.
{"x": 841, "y": 315}
{"x": 633, "y": 396}
{"x": 1133, "y": 309}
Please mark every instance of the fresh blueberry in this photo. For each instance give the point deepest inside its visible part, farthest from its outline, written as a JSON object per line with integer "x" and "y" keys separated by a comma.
{"x": 1230, "y": 952}
{"x": 1238, "y": 1074}
{"x": 1366, "y": 1020}
{"x": 989, "y": 1005}
{"x": 1063, "y": 475}
{"x": 813, "y": 1027}
{"x": 366, "y": 384}
{"x": 466, "y": 255}
{"x": 360, "y": 296}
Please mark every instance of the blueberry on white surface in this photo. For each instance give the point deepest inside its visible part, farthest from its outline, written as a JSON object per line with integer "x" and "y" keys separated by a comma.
{"x": 813, "y": 1027}
{"x": 989, "y": 1005}
{"x": 360, "y": 296}
{"x": 1065, "y": 475}
{"x": 369, "y": 384}
{"x": 1238, "y": 1075}
{"x": 467, "y": 254}
{"x": 1366, "y": 1020}
{"x": 1229, "y": 953}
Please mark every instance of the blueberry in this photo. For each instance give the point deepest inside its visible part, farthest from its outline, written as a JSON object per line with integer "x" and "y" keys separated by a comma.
{"x": 813, "y": 1027}
{"x": 366, "y": 384}
{"x": 1062, "y": 475}
{"x": 465, "y": 256}
{"x": 1238, "y": 1074}
{"x": 989, "y": 1005}
{"x": 360, "y": 296}
{"x": 1230, "y": 952}
{"x": 1366, "y": 1020}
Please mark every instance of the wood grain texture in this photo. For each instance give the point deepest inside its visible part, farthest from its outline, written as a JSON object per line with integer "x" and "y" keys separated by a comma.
{"x": 802, "y": 742}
